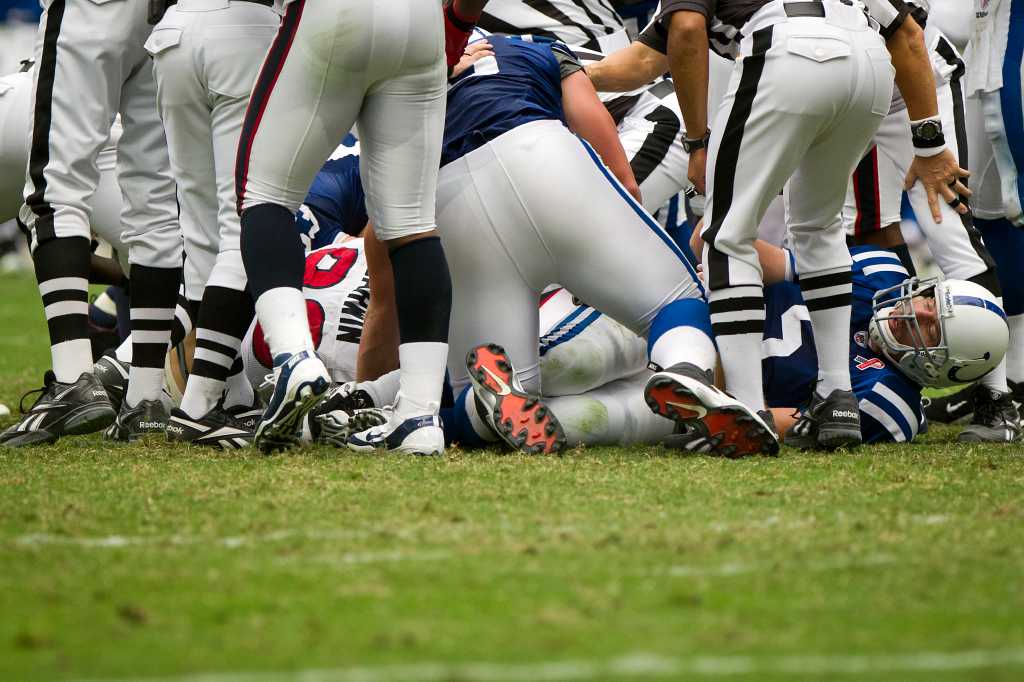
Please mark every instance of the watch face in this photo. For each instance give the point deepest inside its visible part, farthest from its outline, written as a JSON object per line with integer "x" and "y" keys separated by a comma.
{"x": 929, "y": 130}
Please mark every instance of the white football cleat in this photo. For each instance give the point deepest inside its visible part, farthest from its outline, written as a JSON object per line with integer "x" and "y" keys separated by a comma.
{"x": 420, "y": 435}
{"x": 301, "y": 381}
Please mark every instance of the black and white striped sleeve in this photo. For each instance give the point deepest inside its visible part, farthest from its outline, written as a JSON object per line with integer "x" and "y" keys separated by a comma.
{"x": 890, "y": 14}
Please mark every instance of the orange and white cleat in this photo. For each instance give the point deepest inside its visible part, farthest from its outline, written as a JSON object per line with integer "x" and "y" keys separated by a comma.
{"x": 521, "y": 420}
{"x": 686, "y": 394}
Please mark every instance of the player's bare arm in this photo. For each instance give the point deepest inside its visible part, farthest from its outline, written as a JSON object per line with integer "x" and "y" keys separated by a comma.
{"x": 688, "y": 62}
{"x": 588, "y": 118}
{"x": 627, "y": 69}
{"x": 460, "y": 16}
{"x": 378, "y": 345}
{"x": 773, "y": 259}
{"x": 940, "y": 173}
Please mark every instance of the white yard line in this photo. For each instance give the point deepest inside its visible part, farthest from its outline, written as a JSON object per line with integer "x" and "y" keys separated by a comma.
{"x": 359, "y": 558}
{"x": 229, "y": 542}
{"x": 741, "y": 568}
{"x": 636, "y": 665}
{"x": 236, "y": 541}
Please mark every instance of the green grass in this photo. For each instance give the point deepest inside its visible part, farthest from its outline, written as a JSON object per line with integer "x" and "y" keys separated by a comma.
{"x": 894, "y": 563}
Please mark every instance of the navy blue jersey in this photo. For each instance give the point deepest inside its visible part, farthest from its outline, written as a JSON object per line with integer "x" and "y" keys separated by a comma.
{"x": 335, "y": 203}
{"x": 890, "y": 403}
{"x": 521, "y": 83}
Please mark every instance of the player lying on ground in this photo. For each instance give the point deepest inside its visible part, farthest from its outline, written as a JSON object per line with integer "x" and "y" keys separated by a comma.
{"x": 593, "y": 370}
{"x": 518, "y": 194}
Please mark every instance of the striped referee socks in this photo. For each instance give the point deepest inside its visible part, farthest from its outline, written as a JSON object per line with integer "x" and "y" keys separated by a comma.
{"x": 154, "y": 297}
{"x": 737, "y": 320}
{"x": 62, "y": 270}
{"x": 224, "y": 317}
{"x": 828, "y": 295}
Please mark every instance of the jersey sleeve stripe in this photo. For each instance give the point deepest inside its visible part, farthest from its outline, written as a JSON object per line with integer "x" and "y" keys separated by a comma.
{"x": 880, "y": 416}
{"x": 897, "y": 401}
{"x": 870, "y": 255}
{"x": 888, "y": 267}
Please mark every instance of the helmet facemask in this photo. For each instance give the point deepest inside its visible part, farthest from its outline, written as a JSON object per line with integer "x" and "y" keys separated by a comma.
{"x": 920, "y": 361}
{"x": 961, "y": 307}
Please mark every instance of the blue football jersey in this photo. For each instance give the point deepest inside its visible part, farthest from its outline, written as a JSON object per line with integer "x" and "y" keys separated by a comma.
{"x": 335, "y": 203}
{"x": 890, "y": 403}
{"x": 522, "y": 82}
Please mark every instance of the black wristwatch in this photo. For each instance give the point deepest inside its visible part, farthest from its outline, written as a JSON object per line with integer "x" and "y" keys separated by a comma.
{"x": 927, "y": 134}
{"x": 693, "y": 144}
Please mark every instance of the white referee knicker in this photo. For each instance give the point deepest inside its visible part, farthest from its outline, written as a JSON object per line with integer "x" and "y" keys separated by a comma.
{"x": 207, "y": 54}
{"x": 105, "y": 205}
{"x": 90, "y": 65}
{"x": 875, "y": 193}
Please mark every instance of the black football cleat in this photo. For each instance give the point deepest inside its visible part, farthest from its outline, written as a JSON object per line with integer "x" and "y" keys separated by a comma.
{"x": 147, "y": 418}
{"x": 218, "y": 428}
{"x": 948, "y": 409}
{"x": 995, "y": 419}
{"x": 827, "y": 423}
{"x": 61, "y": 410}
{"x": 113, "y": 374}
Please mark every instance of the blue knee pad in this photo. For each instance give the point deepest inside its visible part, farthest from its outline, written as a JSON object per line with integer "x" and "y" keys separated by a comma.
{"x": 1006, "y": 244}
{"x": 686, "y": 312}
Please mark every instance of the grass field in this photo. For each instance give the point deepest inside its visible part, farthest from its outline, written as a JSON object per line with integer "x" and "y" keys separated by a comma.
{"x": 116, "y": 563}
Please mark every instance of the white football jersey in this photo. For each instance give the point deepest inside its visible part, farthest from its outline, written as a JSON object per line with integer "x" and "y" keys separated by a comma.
{"x": 337, "y": 291}
{"x": 987, "y": 47}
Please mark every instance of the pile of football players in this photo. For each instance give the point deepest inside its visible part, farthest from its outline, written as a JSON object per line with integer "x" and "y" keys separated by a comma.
{"x": 523, "y": 224}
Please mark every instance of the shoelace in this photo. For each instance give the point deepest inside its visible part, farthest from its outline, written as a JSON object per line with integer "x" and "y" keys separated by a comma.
{"x": 990, "y": 411}
{"x": 49, "y": 379}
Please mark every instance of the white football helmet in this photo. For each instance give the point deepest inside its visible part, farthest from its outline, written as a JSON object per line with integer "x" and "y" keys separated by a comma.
{"x": 973, "y": 331}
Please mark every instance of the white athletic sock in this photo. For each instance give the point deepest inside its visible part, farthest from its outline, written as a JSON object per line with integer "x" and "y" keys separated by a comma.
{"x": 238, "y": 389}
{"x": 827, "y": 295}
{"x": 282, "y": 314}
{"x": 737, "y": 320}
{"x": 1015, "y": 352}
{"x": 382, "y": 390}
{"x": 422, "y": 367}
{"x": 684, "y": 344}
{"x": 124, "y": 351}
{"x": 141, "y": 383}
{"x": 201, "y": 395}
{"x": 996, "y": 379}
{"x": 71, "y": 359}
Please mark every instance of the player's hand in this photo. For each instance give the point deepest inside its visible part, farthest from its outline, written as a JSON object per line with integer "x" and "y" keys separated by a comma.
{"x": 940, "y": 175}
{"x": 696, "y": 171}
{"x": 473, "y": 53}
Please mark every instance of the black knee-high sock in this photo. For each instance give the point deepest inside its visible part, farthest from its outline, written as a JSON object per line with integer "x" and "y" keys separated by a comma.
{"x": 423, "y": 291}
{"x": 271, "y": 249}
{"x": 185, "y": 314}
{"x": 62, "y": 270}
{"x": 154, "y": 296}
{"x": 224, "y": 318}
